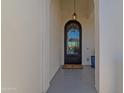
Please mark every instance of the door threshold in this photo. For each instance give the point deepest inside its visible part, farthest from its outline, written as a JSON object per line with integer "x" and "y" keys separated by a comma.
{"x": 73, "y": 66}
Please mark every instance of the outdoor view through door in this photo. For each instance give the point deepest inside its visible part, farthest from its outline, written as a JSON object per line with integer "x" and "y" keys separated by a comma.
{"x": 73, "y": 53}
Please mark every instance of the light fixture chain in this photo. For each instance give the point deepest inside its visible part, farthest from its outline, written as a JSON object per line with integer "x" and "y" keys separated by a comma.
{"x": 74, "y": 6}
{"x": 74, "y": 16}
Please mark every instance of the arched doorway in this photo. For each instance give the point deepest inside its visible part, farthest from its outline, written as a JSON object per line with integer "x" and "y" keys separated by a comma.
{"x": 73, "y": 43}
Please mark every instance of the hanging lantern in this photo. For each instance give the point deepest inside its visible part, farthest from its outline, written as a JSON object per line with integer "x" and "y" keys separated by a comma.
{"x": 74, "y": 16}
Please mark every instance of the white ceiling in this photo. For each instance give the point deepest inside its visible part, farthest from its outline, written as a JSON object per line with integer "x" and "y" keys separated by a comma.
{"x": 83, "y": 7}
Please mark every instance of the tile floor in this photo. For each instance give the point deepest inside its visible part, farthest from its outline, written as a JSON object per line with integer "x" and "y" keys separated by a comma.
{"x": 73, "y": 81}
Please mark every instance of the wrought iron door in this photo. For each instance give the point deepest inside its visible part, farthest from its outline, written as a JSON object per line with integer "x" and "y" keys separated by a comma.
{"x": 73, "y": 45}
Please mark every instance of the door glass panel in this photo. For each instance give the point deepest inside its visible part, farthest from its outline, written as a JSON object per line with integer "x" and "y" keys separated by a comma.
{"x": 73, "y": 42}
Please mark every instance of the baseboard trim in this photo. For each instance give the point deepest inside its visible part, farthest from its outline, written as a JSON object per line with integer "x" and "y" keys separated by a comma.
{"x": 55, "y": 74}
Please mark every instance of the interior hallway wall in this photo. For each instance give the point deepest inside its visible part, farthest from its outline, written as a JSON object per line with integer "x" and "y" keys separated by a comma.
{"x": 97, "y": 62}
{"x": 111, "y": 46}
{"x": 21, "y": 39}
{"x": 88, "y": 33}
{"x": 54, "y": 36}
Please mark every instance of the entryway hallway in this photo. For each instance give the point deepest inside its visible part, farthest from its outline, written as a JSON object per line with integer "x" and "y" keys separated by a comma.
{"x": 73, "y": 81}
{"x": 33, "y": 46}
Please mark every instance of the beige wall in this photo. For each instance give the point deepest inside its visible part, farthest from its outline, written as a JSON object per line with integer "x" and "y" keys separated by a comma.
{"x": 51, "y": 45}
{"x": 96, "y": 11}
{"x": 21, "y": 39}
{"x": 54, "y": 36}
{"x": 110, "y": 32}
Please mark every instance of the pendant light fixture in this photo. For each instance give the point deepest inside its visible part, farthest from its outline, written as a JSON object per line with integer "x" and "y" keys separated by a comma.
{"x": 74, "y": 16}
